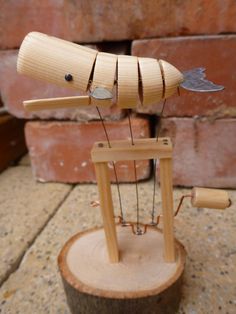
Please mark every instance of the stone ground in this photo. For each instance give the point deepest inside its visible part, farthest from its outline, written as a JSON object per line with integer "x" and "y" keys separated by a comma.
{"x": 37, "y": 218}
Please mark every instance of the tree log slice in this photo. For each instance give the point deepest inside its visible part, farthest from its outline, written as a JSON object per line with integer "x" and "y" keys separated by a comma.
{"x": 142, "y": 282}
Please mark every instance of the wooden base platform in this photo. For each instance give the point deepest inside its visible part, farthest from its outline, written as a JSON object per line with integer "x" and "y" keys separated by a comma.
{"x": 140, "y": 283}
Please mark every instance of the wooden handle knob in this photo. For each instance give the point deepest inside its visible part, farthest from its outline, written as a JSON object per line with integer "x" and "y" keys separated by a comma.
{"x": 210, "y": 198}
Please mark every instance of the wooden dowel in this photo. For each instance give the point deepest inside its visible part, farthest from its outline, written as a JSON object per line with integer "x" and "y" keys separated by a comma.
{"x": 167, "y": 208}
{"x": 56, "y": 103}
{"x": 104, "y": 188}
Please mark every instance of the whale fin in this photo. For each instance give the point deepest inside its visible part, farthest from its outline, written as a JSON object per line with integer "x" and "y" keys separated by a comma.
{"x": 101, "y": 93}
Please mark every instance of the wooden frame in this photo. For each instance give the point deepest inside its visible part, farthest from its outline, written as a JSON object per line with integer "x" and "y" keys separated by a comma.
{"x": 142, "y": 149}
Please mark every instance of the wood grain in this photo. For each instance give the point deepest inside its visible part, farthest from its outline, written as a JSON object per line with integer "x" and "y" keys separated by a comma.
{"x": 172, "y": 78}
{"x": 104, "y": 76}
{"x": 151, "y": 78}
{"x": 120, "y": 150}
{"x": 167, "y": 208}
{"x": 128, "y": 80}
{"x": 104, "y": 188}
{"x": 49, "y": 59}
{"x": 56, "y": 103}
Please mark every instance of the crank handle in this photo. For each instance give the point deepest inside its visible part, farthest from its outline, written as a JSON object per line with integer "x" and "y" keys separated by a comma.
{"x": 210, "y": 198}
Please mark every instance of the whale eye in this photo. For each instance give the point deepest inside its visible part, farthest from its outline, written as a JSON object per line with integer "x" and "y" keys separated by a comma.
{"x": 68, "y": 77}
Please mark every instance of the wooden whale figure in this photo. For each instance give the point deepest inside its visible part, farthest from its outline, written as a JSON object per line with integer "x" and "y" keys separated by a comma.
{"x": 104, "y": 78}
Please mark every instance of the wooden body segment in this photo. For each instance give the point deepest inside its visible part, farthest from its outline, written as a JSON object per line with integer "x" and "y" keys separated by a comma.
{"x": 127, "y": 80}
{"x": 142, "y": 149}
{"x": 151, "y": 78}
{"x": 49, "y": 59}
{"x": 171, "y": 77}
{"x": 104, "y": 76}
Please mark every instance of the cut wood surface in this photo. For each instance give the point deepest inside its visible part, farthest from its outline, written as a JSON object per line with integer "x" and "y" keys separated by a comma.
{"x": 142, "y": 282}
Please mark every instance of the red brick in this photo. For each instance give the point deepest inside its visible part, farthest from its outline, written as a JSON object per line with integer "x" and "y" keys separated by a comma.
{"x": 12, "y": 142}
{"x": 60, "y": 151}
{"x": 215, "y": 53}
{"x": 15, "y": 88}
{"x": 17, "y": 18}
{"x": 92, "y": 21}
{"x": 204, "y": 151}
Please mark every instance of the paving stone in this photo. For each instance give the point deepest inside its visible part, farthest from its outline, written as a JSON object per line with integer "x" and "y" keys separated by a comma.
{"x": 24, "y": 161}
{"x": 25, "y": 208}
{"x": 208, "y": 236}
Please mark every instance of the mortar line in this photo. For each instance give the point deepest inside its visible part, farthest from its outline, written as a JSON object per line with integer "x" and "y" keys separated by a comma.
{"x": 18, "y": 261}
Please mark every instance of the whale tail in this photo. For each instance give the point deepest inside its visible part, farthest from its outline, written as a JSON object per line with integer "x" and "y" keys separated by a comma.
{"x": 194, "y": 80}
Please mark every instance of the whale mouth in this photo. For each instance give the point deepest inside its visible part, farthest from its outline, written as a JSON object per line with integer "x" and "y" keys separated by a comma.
{"x": 195, "y": 81}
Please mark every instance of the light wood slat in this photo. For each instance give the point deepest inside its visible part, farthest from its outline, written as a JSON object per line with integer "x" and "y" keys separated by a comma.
{"x": 152, "y": 83}
{"x": 167, "y": 209}
{"x": 104, "y": 188}
{"x": 123, "y": 150}
{"x": 104, "y": 76}
{"x": 56, "y": 103}
{"x": 48, "y": 58}
{"x": 128, "y": 94}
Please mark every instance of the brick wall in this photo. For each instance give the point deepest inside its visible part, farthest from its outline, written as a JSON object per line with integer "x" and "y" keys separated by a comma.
{"x": 186, "y": 33}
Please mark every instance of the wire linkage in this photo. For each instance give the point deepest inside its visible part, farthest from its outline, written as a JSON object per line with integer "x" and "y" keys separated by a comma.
{"x": 138, "y": 230}
{"x": 154, "y": 224}
{"x": 155, "y": 165}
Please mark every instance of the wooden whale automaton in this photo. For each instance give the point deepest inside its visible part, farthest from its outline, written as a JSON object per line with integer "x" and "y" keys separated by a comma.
{"x": 125, "y": 266}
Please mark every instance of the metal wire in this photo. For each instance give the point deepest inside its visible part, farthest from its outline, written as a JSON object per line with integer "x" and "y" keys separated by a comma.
{"x": 155, "y": 166}
{"x": 155, "y": 224}
{"x": 138, "y": 230}
{"x": 114, "y": 167}
{"x": 159, "y": 124}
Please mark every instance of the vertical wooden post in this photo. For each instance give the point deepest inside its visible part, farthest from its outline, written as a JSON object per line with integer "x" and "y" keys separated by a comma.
{"x": 104, "y": 188}
{"x": 167, "y": 208}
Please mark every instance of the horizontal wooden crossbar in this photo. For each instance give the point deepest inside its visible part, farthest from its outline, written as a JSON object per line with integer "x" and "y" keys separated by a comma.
{"x": 122, "y": 150}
